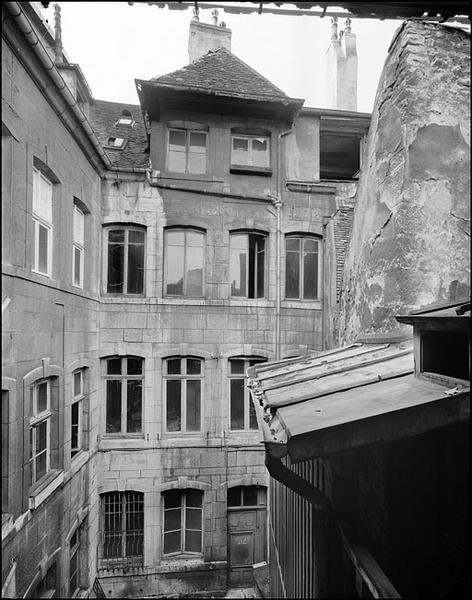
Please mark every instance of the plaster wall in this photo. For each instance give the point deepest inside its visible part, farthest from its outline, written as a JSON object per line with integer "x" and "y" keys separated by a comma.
{"x": 411, "y": 232}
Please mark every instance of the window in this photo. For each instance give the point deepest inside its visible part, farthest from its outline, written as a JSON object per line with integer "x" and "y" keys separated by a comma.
{"x": 47, "y": 587}
{"x": 40, "y": 430}
{"x": 42, "y": 222}
{"x": 302, "y": 265}
{"x": 247, "y": 264}
{"x": 246, "y": 495}
{"x": 242, "y": 412}
{"x": 126, "y": 119}
{"x": 78, "y": 248}
{"x": 122, "y": 528}
{"x": 184, "y": 260}
{"x": 183, "y": 385}
{"x": 125, "y": 260}
{"x": 124, "y": 391}
{"x": 445, "y": 353}
{"x": 5, "y": 448}
{"x": 77, "y": 410}
{"x": 74, "y": 562}
{"x": 116, "y": 142}
{"x": 250, "y": 151}
{"x": 182, "y": 521}
{"x": 187, "y": 151}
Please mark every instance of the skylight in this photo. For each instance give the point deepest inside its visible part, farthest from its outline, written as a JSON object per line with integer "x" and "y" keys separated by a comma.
{"x": 126, "y": 119}
{"x": 116, "y": 142}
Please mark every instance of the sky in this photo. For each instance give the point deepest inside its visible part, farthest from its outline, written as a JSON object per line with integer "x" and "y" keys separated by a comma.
{"x": 114, "y": 43}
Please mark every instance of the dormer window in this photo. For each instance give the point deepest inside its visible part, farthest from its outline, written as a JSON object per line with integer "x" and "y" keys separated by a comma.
{"x": 116, "y": 143}
{"x": 250, "y": 151}
{"x": 126, "y": 119}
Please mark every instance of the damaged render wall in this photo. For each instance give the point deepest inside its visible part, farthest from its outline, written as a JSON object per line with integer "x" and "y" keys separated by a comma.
{"x": 411, "y": 231}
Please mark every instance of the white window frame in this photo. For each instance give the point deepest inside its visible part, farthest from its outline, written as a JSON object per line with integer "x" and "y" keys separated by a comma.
{"x": 187, "y": 133}
{"x": 247, "y": 362}
{"x": 42, "y": 221}
{"x": 183, "y": 377}
{"x": 187, "y": 250}
{"x": 257, "y": 251}
{"x": 37, "y": 419}
{"x": 126, "y": 229}
{"x": 301, "y": 267}
{"x": 112, "y": 142}
{"x": 77, "y": 399}
{"x": 183, "y": 539}
{"x": 124, "y": 395}
{"x": 78, "y": 245}
{"x": 250, "y": 138}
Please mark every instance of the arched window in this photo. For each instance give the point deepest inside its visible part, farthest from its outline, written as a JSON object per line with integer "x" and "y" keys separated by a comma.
{"x": 122, "y": 528}
{"x": 247, "y": 270}
{"x": 183, "y": 388}
{"x": 184, "y": 262}
{"x": 302, "y": 267}
{"x": 182, "y": 521}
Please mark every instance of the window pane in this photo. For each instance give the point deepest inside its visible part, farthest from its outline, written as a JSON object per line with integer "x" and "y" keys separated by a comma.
{"x": 238, "y": 262}
{"x": 194, "y": 498}
{"x": 42, "y": 397}
{"x": 197, "y": 141}
{"x": 116, "y": 236}
{"x": 43, "y": 248}
{"x": 114, "y": 366}
{"x": 113, "y": 407}
{"x": 77, "y": 383}
{"x": 75, "y": 425}
{"x": 193, "y": 541}
{"x": 250, "y": 495}
{"x": 252, "y": 416}
{"x": 195, "y": 238}
{"x": 41, "y": 436}
{"x": 41, "y": 465}
{"x": 310, "y": 275}
{"x": 172, "y": 519}
{"x": 193, "y": 405}
{"x": 194, "y": 271}
{"x": 134, "y": 366}
{"x": 78, "y": 226}
{"x": 172, "y": 542}
{"x": 177, "y": 140}
{"x": 173, "y": 405}
{"x": 260, "y": 270}
{"x": 135, "y": 236}
{"x": 237, "y": 403}
{"x": 174, "y": 269}
{"x": 176, "y": 161}
{"x": 237, "y": 366}
{"x": 115, "y": 268}
{"x": 173, "y": 366}
{"x": 172, "y": 499}
{"x": 193, "y": 366}
{"x": 77, "y": 265}
{"x": 260, "y": 154}
{"x": 134, "y": 406}
{"x": 196, "y": 163}
{"x": 292, "y": 275}
{"x": 193, "y": 518}
{"x": 240, "y": 154}
{"x": 292, "y": 244}
{"x": 135, "y": 268}
{"x": 234, "y": 496}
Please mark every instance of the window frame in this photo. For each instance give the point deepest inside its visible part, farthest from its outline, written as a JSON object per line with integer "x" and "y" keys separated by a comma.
{"x": 123, "y": 378}
{"x": 182, "y": 529}
{"x": 183, "y": 377}
{"x": 258, "y": 235}
{"x": 126, "y": 228}
{"x": 125, "y": 499}
{"x": 74, "y": 553}
{"x": 36, "y": 420}
{"x": 187, "y": 249}
{"x": 301, "y": 267}
{"x": 187, "y": 133}
{"x": 250, "y": 139}
{"x": 78, "y": 399}
{"x": 41, "y": 221}
{"x": 79, "y": 246}
{"x": 248, "y": 361}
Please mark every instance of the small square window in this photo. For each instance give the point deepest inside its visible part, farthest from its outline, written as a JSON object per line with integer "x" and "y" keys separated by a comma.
{"x": 116, "y": 142}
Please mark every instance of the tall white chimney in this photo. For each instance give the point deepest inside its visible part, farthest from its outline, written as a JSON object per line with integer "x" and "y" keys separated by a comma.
{"x": 341, "y": 68}
{"x": 204, "y": 37}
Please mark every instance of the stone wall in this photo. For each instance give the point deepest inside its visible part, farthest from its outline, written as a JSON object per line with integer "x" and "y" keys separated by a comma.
{"x": 410, "y": 239}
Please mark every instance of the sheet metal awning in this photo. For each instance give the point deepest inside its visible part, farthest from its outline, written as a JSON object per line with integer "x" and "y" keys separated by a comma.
{"x": 352, "y": 396}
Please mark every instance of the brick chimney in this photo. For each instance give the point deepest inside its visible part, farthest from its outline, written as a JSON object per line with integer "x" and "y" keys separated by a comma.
{"x": 341, "y": 68}
{"x": 204, "y": 37}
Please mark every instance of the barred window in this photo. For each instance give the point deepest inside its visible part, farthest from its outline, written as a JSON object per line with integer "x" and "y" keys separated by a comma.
{"x": 183, "y": 521}
{"x": 122, "y": 529}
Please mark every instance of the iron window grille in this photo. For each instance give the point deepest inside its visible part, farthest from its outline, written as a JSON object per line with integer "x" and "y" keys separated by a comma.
{"x": 124, "y": 394}
{"x": 182, "y": 525}
{"x": 242, "y": 411}
{"x": 40, "y": 430}
{"x": 42, "y": 223}
{"x": 122, "y": 530}
{"x": 187, "y": 151}
{"x": 248, "y": 264}
{"x": 302, "y": 267}
{"x": 184, "y": 262}
{"x": 183, "y": 390}
{"x": 125, "y": 260}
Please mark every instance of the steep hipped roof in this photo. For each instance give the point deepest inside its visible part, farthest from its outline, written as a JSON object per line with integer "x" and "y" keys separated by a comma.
{"x": 221, "y": 71}
{"x": 103, "y": 118}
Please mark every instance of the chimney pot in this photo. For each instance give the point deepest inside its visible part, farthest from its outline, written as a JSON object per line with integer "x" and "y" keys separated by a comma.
{"x": 214, "y": 16}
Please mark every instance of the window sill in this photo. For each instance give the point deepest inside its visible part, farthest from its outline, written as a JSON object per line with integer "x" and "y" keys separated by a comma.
{"x": 44, "y": 488}
{"x": 260, "y": 302}
{"x": 204, "y": 177}
{"x": 303, "y": 304}
{"x": 48, "y": 275}
{"x": 123, "y": 443}
{"x": 250, "y": 170}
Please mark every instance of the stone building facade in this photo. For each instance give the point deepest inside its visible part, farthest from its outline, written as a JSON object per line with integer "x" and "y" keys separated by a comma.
{"x": 152, "y": 253}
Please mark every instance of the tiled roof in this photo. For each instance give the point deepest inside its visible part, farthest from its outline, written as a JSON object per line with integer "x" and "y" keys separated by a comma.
{"x": 103, "y": 118}
{"x": 221, "y": 71}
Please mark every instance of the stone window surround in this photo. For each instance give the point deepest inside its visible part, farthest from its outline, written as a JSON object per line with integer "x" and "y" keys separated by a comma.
{"x": 191, "y": 229}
